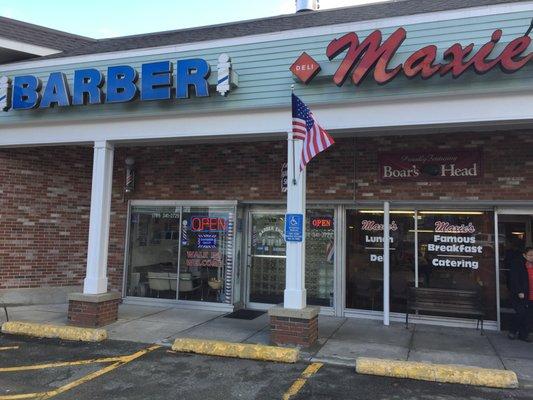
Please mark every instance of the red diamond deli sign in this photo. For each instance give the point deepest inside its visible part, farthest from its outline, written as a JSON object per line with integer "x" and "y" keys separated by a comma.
{"x": 305, "y": 68}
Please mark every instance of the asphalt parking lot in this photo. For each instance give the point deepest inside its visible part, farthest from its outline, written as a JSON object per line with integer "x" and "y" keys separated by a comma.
{"x": 44, "y": 369}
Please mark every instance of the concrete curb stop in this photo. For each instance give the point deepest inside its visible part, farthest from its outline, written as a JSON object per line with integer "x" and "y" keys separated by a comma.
{"x": 54, "y": 331}
{"x": 236, "y": 350}
{"x": 444, "y": 373}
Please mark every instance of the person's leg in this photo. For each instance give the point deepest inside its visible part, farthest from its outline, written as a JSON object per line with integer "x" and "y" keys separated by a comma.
{"x": 515, "y": 320}
{"x": 529, "y": 319}
{"x": 522, "y": 320}
{"x": 519, "y": 325}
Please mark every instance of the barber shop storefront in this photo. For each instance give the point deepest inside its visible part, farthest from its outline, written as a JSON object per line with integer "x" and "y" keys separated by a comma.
{"x": 159, "y": 175}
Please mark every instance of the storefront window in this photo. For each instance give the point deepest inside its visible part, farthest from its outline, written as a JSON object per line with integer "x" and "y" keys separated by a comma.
{"x": 364, "y": 257}
{"x": 206, "y": 262}
{"x": 319, "y": 256}
{"x": 456, "y": 252}
{"x": 153, "y": 255}
{"x": 204, "y": 255}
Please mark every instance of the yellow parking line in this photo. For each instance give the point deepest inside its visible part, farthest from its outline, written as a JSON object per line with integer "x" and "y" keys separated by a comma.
{"x": 98, "y": 373}
{"x": 61, "y": 364}
{"x": 47, "y": 395}
{"x": 80, "y": 381}
{"x": 300, "y": 382}
{"x": 9, "y": 348}
{"x": 22, "y": 396}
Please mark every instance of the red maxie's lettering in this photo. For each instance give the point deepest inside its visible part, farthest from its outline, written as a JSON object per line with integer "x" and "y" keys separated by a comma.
{"x": 369, "y": 225}
{"x": 372, "y": 53}
{"x": 446, "y": 227}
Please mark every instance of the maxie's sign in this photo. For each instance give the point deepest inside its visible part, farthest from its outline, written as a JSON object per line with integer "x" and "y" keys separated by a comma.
{"x": 374, "y": 54}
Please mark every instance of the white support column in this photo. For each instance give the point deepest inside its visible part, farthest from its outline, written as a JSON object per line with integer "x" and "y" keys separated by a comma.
{"x": 386, "y": 263}
{"x": 416, "y": 248}
{"x": 295, "y": 293}
{"x": 96, "y": 276}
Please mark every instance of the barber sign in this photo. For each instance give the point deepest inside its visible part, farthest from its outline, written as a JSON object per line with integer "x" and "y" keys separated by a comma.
{"x": 153, "y": 81}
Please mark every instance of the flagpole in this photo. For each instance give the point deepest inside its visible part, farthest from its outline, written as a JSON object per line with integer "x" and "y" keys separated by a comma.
{"x": 293, "y": 158}
{"x": 294, "y": 295}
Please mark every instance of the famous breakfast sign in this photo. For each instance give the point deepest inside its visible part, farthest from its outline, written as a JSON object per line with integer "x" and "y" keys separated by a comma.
{"x": 374, "y": 53}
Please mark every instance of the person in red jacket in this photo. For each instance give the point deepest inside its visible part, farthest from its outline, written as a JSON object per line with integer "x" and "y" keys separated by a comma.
{"x": 521, "y": 286}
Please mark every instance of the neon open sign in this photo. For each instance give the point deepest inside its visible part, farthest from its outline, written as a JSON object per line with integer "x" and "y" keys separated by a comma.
{"x": 322, "y": 223}
{"x": 208, "y": 224}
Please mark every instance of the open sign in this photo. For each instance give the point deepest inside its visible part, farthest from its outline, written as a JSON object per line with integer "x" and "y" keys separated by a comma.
{"x": 208, "y": 224}
{"x": 322, "y": 223}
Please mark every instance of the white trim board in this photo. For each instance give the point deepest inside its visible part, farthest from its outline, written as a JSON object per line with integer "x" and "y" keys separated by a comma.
{"x": 26, "y": 47}
{"x": 439, "y": 111}
{"x": 290, "y": 34}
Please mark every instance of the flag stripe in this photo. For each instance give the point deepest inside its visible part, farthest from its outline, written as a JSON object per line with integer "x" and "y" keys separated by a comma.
{"x": 306, "y": 128}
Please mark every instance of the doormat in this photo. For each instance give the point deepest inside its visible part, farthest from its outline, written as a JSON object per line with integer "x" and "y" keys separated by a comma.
{"x": 245, "y": 314}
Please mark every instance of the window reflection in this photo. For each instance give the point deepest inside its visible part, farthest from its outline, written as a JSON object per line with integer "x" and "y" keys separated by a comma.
{"x": 206, "y": 263}
{"x": 456, "y": 252}
{"x": 267, "y": 269}
{"x": 204, "y": 255}
{"x": 153, "y": 255}
{"x": 364, "y": 257}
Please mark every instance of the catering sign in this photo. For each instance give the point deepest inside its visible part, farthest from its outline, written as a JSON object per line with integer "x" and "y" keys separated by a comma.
{"x": 374, "y": 54}
{"x": 430, "y": 165}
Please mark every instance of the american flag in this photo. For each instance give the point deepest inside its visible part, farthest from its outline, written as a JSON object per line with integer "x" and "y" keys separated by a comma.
{"x": 306, "y": 128}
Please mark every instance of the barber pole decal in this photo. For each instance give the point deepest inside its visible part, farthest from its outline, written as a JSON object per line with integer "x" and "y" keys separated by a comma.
{"x": 5, "y": 89}
{"x": 224, "y": 73}
{"x": 228, "y": 284}
{"x": 184, "y": 233}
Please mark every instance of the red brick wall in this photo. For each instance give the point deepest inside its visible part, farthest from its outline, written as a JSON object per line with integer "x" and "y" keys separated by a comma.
{"x": 252, "y": 171}
{"x": 44, "y": 203}
{"x": 508, "y": 162}
{"x": 44, "y": 209}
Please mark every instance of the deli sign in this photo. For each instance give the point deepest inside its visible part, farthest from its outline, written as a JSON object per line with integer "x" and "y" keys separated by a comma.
{"x": 431, "y": 165}
{"x": 358, "y": 58}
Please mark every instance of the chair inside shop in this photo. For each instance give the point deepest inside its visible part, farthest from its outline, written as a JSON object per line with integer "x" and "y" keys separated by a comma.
{"x": 158, "y": 282}
{"x": 189, "y": 283}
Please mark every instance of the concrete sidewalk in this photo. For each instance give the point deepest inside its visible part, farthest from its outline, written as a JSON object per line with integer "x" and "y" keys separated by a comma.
{"x": 341, "y": 340}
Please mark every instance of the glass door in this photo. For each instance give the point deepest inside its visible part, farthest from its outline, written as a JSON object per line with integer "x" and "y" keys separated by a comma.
{"x": 267, "y": 258}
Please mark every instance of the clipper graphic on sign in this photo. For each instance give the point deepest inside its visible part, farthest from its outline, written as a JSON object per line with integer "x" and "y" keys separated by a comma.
{"x": 5, "y": 96}
{"x": 224, "y": 74}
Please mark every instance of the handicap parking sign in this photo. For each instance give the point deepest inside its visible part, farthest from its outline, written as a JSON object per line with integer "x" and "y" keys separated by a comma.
{"x": 294, "y": 227}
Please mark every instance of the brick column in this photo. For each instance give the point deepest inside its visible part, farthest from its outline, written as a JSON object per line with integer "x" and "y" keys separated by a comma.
{"x": 294, "y": 327}
{"x": 93, "y": 310}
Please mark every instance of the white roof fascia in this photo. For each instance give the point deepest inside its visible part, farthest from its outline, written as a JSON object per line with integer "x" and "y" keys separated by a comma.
{"x": 290, "y": 34}
{"x": 26, "y": 47}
